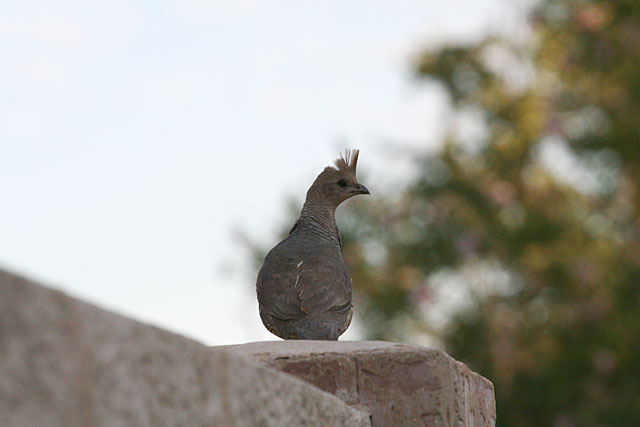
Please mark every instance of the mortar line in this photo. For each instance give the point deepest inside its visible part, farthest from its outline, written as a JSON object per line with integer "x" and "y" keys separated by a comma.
{"x": 357, "y": 379}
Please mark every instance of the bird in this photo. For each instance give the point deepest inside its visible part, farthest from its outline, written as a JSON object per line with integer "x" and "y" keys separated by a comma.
{"x": 304, "y": 288}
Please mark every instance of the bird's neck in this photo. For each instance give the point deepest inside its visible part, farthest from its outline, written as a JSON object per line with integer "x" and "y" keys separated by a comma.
{"x": 318, "y": 215}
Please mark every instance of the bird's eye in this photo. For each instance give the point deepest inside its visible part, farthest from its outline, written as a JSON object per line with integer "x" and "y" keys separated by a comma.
{"x": 342, "y": 183}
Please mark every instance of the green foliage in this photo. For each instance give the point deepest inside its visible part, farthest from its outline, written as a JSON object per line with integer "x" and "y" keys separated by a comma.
{"x": 539, "y": 269}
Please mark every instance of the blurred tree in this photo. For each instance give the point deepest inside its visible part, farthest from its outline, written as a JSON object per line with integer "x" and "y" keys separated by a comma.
{"x": 517, "y": 246}
{"x": 518, "y": 249}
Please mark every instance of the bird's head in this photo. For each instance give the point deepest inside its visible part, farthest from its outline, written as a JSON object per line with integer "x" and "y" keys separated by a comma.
{"x": 336, "y": 184}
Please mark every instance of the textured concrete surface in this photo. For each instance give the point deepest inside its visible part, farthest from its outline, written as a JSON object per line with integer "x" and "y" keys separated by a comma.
{"x": 398, "y": 384}
{"x": 67, "y": 363}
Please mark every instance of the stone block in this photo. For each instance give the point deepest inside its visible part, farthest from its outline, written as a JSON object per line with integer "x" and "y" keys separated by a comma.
{"x": 398, "y": 384}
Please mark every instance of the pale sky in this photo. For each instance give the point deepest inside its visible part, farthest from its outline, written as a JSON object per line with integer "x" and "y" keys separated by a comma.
{"x": 135, "y": 136}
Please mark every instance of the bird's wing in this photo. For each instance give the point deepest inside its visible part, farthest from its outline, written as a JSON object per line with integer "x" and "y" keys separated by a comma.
{"x": 276, "y": 294}
{"x": 290, "y": 289}
{"x": 324, "y": 286}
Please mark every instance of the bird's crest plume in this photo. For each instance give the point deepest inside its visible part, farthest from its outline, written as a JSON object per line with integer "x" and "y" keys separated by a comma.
{"x": 348, "y": 161}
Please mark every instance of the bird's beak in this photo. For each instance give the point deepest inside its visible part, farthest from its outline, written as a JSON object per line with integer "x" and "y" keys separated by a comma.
{"x": 361, "y": 189}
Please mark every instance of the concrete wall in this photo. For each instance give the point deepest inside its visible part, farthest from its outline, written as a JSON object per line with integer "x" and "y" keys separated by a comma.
{"x": 64, "y": 362}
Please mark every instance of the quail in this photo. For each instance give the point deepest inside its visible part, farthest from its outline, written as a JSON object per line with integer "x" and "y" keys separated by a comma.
{"x": 304, "y": 288}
